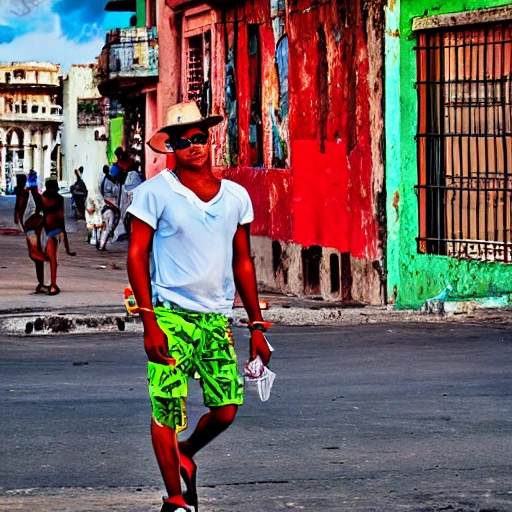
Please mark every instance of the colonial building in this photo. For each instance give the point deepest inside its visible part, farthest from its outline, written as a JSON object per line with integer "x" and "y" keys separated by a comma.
{"x": 127, "y": 74}
{"x": 30, "y": 120}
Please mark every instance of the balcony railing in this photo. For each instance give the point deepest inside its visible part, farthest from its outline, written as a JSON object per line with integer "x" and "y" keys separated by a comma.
{"x": 50, "y": 113}
{"x": 129, "y": 53}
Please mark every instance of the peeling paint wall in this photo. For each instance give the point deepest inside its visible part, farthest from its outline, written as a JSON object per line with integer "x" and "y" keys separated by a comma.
{"x": 322, "y": 182}
{"x": 413, "y": 277}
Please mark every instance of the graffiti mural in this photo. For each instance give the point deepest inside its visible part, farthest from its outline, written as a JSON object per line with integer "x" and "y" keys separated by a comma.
{"x": 231, "y": 108}
{"x": 278, "y": 113}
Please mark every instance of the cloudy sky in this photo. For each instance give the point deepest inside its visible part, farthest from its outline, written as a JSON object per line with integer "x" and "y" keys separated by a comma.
{"x": 60, "y": 31}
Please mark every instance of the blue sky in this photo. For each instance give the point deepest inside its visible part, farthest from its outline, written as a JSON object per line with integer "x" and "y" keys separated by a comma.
{"x": 60, "y": 31}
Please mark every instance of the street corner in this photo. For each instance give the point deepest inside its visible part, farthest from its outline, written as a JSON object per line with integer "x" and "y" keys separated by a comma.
{"x": 52, "y": 324}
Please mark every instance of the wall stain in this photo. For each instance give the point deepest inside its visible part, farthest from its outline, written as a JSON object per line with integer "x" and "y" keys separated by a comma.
{"x": 396, "y": 202}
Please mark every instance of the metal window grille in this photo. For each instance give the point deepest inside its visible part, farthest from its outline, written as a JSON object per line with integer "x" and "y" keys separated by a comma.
{"x": 195, "y": 77}
{"x": 198, "y": 87}
{"x": 464, "y": 142}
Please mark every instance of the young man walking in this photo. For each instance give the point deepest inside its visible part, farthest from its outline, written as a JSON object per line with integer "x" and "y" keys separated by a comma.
{"x": 194, "y": 229}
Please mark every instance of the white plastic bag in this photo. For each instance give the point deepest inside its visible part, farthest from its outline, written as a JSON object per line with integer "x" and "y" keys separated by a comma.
{"x": 256, "y": 373}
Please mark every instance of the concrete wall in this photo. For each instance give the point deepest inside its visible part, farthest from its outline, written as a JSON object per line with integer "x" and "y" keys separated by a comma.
{"x": 79, "y": 146}
{"x": 414, "y": 277}
{"x": 330, "y": 193}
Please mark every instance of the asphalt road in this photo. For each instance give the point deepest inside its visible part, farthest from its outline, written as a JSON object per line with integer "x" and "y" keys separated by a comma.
{"x": 364, "y": 418}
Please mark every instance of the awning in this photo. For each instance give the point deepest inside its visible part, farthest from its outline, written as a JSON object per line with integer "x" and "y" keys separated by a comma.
{"x": 121, "y": 6}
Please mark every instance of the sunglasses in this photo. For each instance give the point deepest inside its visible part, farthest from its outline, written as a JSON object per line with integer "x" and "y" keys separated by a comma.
{"x": 197, "y": 139}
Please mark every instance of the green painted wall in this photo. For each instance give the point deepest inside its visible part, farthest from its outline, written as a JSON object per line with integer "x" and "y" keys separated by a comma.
{"x": 141, "y": 13}
{"x": 116, "y": 137}
{"x": 414, "y": 277}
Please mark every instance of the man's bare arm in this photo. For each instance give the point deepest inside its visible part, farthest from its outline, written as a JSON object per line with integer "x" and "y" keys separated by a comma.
{"x": 141, "y": 241}
{"x": 37, "y": 198}
{"x": 245, "y": 280}
{"x": 19, "y": 208}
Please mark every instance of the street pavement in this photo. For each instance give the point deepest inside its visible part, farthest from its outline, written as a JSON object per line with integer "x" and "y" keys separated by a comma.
{"x": 384, "y": 418}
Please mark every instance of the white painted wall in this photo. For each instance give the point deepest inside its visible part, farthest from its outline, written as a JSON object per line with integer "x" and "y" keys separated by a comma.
{"x": 78, "y": 145}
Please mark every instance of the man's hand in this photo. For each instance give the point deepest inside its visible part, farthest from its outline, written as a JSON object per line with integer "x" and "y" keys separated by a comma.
{"x": 259, "y": 347}
{"x": 155, "y": 342}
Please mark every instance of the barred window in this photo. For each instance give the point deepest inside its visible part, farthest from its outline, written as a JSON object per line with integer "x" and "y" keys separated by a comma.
{"x": 464, "y": 141}
{"x": 198, "y": 86}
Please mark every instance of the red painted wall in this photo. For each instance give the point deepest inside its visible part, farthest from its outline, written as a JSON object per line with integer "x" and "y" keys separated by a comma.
{"x": 326, "y": 198}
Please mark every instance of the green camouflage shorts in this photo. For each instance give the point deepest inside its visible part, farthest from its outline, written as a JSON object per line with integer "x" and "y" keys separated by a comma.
{"x": 202, "y": 346}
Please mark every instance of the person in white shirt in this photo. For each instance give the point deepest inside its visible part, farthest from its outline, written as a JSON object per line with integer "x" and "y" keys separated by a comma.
{"x": 189, "y": 245}
{"x": 110, "y": 190}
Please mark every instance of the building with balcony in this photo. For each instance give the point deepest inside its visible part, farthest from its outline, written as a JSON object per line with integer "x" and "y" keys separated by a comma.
{"x": 128, "y": 61}
{"x": 127, "y": 74}
{"x": 30, "y": 120}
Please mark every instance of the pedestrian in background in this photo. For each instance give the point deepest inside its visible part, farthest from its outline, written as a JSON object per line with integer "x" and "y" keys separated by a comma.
{"x": 51, "y": 204}
{"x": 110, "y": 189}
{"x": 133, "y": 180}
{"x": 94, "y": 218}
{"x": 79, "y": 193}
{"x": 32, "y": 180}
{"x": 28, "y": 216}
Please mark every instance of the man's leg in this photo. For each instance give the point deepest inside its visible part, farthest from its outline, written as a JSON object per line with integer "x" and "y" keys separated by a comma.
{"x": 35, "y": 253}
{"x": 168, "y": 389}
{"x": 165, "y": 446}
{"x": 222, "y": 395}
{"x": 208, "y": 428}
{"x": 51, "y": 250}
{"x": 40, "y": 275}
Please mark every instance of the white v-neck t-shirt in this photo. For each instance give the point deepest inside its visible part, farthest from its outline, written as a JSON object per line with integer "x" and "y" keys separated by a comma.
{"x": 192, "y": 254}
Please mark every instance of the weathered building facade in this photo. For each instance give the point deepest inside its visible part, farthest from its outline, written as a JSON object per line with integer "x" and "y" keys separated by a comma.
{"x": 127, "y": 74}
{"x": 448, "y": 149}
{"x": 300, "y": 86}
{"x": 30, "y": 120}
{"x": 86, "y": 125}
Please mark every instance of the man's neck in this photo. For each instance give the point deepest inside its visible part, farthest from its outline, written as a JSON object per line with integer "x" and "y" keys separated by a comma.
{"x": 202, "y": 181}
{"x": 203, "y": 175}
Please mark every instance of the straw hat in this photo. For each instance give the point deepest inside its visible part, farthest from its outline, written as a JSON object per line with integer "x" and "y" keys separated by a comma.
{"x": 180, "y": 115}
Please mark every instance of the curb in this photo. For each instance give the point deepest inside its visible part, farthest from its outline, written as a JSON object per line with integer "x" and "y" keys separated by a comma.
{"x": 73, "y": 322}
{"x": 45, "y": 324}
